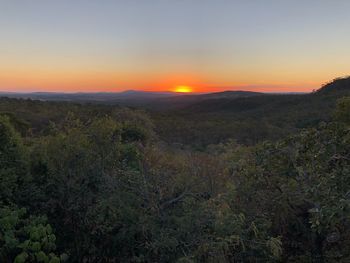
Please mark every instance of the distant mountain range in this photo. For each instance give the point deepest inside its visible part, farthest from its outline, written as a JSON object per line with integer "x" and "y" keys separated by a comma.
{"x": 89, "y": 96}
{"x": 194, "y": 102}
{"x": 203, "y": 119}
{"x": 135, "y": 98}
{"x": 272, "y": 104}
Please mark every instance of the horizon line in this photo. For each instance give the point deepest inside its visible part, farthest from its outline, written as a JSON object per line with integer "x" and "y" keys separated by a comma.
{"x": 150, "y": 91}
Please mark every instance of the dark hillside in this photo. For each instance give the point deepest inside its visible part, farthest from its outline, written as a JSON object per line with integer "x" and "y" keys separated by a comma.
{"x": 250, "y": 119}
{"x": 337, "y": 86}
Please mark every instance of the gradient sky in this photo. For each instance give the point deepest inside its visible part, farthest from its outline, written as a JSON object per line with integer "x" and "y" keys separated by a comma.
{"x": 210, "y": 45}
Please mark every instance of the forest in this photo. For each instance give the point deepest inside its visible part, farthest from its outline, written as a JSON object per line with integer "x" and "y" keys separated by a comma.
{"x": 263, "y": 178}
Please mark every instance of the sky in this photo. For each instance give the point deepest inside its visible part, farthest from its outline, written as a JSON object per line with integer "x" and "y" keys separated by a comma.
{"x": 208, "y": 45}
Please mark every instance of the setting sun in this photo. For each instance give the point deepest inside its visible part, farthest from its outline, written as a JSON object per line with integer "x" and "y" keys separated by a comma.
{"x": 183, "y": 89}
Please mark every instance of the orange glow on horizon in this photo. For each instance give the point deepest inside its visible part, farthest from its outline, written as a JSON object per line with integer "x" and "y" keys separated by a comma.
{"x": 183, "y": 89}
{"x": 22, "y": 80}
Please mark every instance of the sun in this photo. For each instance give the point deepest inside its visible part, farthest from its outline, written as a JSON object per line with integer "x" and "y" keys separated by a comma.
{"x": 183, "y": 89}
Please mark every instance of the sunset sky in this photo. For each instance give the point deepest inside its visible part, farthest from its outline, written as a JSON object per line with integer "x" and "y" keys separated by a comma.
{"x": 209, "y": 45}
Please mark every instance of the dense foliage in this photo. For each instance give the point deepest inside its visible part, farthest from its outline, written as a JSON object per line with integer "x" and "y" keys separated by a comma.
{"x": 88, "y": 183}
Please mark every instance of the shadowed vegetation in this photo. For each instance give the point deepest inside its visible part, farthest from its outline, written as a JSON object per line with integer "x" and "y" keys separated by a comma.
{"x": 264, "y": 178}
